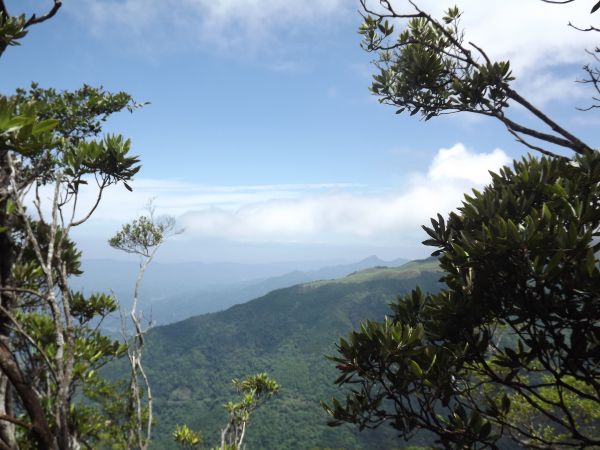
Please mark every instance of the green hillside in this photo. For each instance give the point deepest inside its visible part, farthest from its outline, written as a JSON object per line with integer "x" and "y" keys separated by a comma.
{"x": 285, "y": 333}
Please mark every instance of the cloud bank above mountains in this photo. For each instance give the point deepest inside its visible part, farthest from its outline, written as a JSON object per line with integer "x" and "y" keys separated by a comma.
{"x": 342, "y": 216}
{"x": 313, "y": 213}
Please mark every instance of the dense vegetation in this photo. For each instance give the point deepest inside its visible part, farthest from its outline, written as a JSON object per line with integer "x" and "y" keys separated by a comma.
{"x": 508, "y": 350}
{"x": 286, "y": 333}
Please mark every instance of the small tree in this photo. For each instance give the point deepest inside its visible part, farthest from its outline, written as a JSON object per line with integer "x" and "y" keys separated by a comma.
{"x": 186, "y": 438}
{"x": 255, "y": 390}
{"x": 142, "y": 237}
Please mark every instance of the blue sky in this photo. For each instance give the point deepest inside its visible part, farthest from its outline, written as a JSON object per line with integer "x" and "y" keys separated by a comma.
{"x": 261, "y": 136}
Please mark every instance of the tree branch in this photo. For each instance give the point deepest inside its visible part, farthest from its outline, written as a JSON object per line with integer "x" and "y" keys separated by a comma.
{"x": 15, "y": 421}
{"x": 573, "y": 142}
{"x": 33, "y": 20}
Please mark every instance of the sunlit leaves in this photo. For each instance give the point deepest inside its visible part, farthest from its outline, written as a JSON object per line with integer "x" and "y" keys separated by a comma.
{"x": 11, "y": 30}
{"x": 185, "y": 437}
{"x": 255, "y": 390}
{"x": 142, "y": 234}
{"x": 51, "y": 137}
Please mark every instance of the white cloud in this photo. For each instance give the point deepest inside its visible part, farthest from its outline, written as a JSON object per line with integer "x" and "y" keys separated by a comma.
{"x": 176, "y": 197}
{"x": 530, "y": 33}
{"x": 342, "y": 216}
{"x": 304, "y": 214}
{"x": 533, "y": 35}
{"x": 460, "y": 164}
{"x": 237, "y": 24}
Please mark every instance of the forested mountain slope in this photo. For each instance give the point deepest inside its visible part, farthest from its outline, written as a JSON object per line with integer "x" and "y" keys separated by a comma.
{"x": 176, "y": 291}
{"x": 285, "y": 333}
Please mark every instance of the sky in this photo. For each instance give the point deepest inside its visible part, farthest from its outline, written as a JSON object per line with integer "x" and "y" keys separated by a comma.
{"x": 261, "y": 136}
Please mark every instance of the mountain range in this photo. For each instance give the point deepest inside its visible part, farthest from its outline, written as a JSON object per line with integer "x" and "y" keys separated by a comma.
{"x": 287, "y": 334}
{"x": 176, "y": 291}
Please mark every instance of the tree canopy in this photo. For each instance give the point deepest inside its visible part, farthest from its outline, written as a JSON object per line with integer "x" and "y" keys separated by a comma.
{"x": 510, "y": 348}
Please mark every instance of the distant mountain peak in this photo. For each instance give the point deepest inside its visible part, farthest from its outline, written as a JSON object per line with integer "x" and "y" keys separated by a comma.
{"x": 373, "y": 259}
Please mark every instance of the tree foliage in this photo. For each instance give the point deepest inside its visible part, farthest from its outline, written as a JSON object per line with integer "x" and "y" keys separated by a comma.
{"x": 427, "y": 68}
{"x": 142, "y": 237}
{"x": 49, "y": 330}
{"x": 13, "y": 28}
{"x": 510, "y": 348}
{"x": 518, "y": 321}
{"x": 51, "y": 150}
{"x": 255, "y": 390}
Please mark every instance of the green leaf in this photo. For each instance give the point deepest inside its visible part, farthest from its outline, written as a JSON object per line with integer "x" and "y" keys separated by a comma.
{"x": 10, "y": 207}
{"x": 414, "y": 368}
{"x": 44, "y": 126}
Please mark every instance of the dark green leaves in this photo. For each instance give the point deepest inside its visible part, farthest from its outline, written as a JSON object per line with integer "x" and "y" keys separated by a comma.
{"x": 522, "y": 272}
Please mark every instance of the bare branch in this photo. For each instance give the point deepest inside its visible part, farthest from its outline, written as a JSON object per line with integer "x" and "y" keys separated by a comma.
{"x": 531, "y": 146}
{"x": 91, "y": 211}
{"x": 590, "y": 28}
{"x": 34, "y": 20}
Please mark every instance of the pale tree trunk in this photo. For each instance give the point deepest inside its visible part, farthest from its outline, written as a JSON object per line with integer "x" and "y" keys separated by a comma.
{"x": 7, "y": 429}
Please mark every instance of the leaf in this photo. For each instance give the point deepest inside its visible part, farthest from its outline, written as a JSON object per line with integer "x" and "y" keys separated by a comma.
{"x": 44, "y": 126}
{"x": 10, "y": 207}
{"x": 485, "y": 430}
{"x": 415, "y": 369}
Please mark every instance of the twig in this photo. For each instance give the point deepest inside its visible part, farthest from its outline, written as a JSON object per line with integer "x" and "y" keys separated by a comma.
{"x": 33, "y": 20}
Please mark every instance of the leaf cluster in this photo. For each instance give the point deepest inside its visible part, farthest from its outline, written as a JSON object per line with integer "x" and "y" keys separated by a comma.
{"x": 12, "y": 28}
{"x": 185, "y": 437}
{"x": 142, "y": 235}
{"x": 426, "y": 69}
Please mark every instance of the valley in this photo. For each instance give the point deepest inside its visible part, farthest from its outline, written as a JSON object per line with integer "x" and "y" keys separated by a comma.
{"x": 287, "y": 334}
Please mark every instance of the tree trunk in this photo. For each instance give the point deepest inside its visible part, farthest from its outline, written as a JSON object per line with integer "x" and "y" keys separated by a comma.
{"x": 10, "y": 374}
{"x": 31, "y": 402}
{"x": 7, "y": 430}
